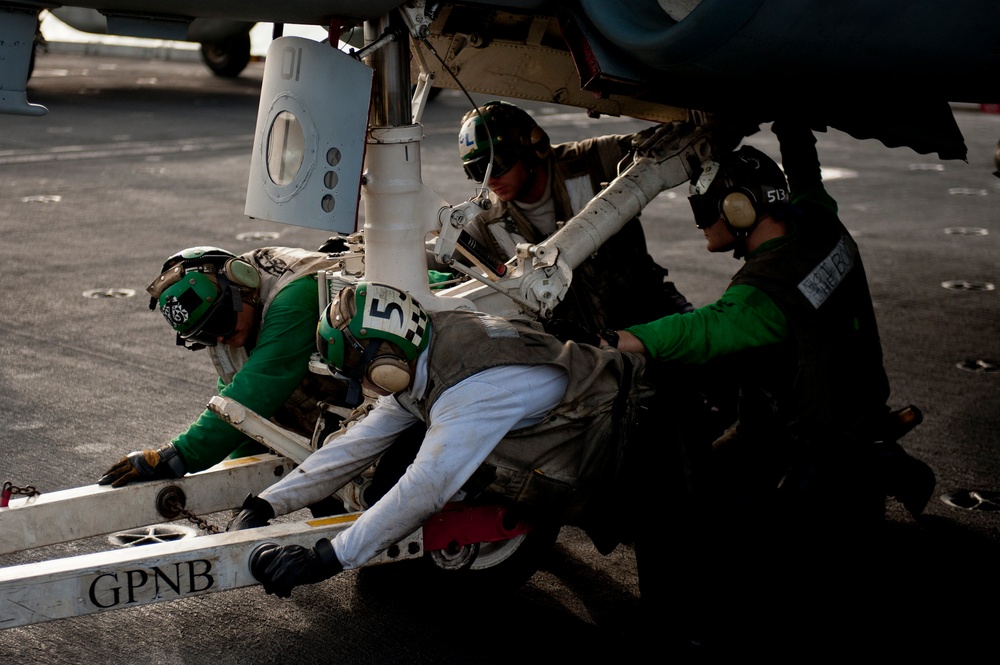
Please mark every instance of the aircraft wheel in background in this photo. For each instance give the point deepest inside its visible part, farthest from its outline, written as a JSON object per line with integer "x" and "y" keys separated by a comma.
{"x": 227, "y": 58}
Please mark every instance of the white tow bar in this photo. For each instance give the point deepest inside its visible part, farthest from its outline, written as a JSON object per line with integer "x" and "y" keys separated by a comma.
{"x": 94, "y": 510}
{"x": 76, "y": 586}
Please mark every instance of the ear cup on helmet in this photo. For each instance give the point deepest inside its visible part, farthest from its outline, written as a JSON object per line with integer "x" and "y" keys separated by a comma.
{"x": 739, "y": 209}
{"x": 389, "y": 373}
{"x": 241, "y": 273}
{"x": 751, "y": 185}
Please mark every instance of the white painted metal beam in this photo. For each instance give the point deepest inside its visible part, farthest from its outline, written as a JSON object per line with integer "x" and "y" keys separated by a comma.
{"x": 262, "y": 430}
{"x": 93, "y": 510}
{"x": 88, "y": 584}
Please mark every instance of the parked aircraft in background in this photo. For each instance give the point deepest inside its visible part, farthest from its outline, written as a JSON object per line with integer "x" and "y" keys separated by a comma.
{"x": 852, "y": 65}
{"x": 225, "y": 44}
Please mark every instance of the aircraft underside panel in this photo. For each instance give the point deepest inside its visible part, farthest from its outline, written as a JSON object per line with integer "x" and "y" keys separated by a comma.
{"x": 853, "y": 66}
{"x": 884, "y": 70}
{"x": 767, "y": 44}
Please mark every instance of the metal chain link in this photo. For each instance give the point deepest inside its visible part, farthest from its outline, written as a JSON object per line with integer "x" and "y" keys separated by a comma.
{"x": 10, "y": 489}
{"x": 173, "y": 504}
{"x": 14, "y": 489}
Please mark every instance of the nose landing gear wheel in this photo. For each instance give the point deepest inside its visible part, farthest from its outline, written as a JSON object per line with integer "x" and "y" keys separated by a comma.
{"x": 478, "y": 556}
{"x": 458, "y": 560}
{"x": 491, "y": 567}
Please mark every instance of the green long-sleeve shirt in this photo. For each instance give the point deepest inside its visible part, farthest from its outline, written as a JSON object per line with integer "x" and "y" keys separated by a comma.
{"x": 744, "y": 317}
{"x": 272, "y": 372}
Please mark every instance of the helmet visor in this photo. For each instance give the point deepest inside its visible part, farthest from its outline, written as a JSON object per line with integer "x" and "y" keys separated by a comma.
{"x": 504, "y": 159}
{"x": 218, "y": 322}
{"x": 706, "y": 210}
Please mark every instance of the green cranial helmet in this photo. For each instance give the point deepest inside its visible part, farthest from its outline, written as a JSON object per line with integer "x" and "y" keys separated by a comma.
{"x": 504, "y": 131}
{"x": 360, "y": 321}
{"x": 369, "y": 312}
{"x": 200, "y": 291}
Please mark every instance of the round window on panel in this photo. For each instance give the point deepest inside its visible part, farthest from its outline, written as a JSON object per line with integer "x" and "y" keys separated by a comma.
{"x": 285, "y": 148}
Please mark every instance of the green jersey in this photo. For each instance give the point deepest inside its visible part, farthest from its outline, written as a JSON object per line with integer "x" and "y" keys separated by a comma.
{"x": 274, "y": 369}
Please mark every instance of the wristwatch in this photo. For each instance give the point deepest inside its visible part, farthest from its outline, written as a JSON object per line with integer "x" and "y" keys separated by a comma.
{"x": 610, "y": 336}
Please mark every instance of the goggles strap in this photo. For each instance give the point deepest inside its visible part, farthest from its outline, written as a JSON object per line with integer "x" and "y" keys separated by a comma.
{"x": 354, "y": 398}
{"x": 349, "y": 336}
{"x": 224, "y": 285}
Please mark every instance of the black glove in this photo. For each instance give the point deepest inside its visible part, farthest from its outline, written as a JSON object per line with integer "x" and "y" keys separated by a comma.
{"x": 282, "y": 568}
{"x": 145, "y": 465}
{"x": 566, "y": 330}
{"x": 256, "y": 512}
{"x": 334, "y": 245}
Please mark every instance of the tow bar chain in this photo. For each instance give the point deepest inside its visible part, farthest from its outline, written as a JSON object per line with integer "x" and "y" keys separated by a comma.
{"x": 10, "y": 489}
{"x": 170, "y": 506}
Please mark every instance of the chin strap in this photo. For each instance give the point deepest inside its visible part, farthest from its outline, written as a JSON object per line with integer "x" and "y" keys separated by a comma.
{"x": 740, "y": 250}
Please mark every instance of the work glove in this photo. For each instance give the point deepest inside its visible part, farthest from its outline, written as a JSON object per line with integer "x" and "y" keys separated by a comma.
{"x": 256, "y": 512}
{"x": 282, "y": 568}
{"x": 145, "y": 465}
{"x": 334, "y": 245}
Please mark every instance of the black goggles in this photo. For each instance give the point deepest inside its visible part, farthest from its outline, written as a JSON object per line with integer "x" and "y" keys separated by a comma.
{"x": 503, "y": 161}
{"x": 220, "y": 321}
{"x": 706, "y": 210}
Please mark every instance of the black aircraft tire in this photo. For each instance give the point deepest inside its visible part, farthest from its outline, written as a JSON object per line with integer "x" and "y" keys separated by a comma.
{"x": 523, "y": 560}
{"x": 227, "y": 58}
{"x": 506, "y": 576}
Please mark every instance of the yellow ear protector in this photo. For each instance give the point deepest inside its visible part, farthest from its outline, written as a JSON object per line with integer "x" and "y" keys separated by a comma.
{"x": 389, "y": 372}
{"x": 380, "y": 367}
{"x": 752, "y": 185}
{"x": 739, "y": 209}
{"x": 241, "y": 273}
